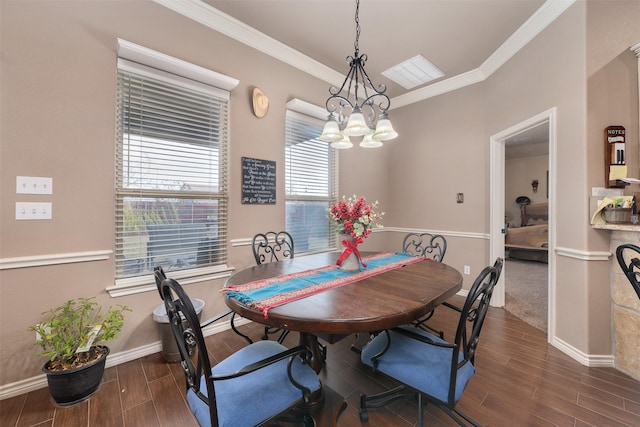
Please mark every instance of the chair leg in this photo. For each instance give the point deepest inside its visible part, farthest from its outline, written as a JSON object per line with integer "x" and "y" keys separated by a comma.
{"x": 271, "y": 330}
{"x": 233, "y": 326}
{"x": 384, "y": 398}
{"x": 265, "y": 336}
{"x": 467, "y": 418}
{"x": 421, "y": 323}
{"x": 361, "y": 340}
{"x": 420, "y": 411}
{"x": 428, "y": 328}
{"x": 284, "y": 334}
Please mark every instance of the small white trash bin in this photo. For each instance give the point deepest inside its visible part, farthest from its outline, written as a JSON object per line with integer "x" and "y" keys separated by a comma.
{"x": 169, "y": 347}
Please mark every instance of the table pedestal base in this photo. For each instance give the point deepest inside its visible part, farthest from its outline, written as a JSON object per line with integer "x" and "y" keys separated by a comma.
{"x": 325, "y": 412}
{"x": 318, "y": 351}
{"x": 317, "y": 354}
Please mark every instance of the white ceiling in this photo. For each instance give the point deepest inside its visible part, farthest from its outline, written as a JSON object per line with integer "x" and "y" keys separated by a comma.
{"x": 455, "y": 35}
{"x": 467, "y": 39}
{"x": 529, "y": 143}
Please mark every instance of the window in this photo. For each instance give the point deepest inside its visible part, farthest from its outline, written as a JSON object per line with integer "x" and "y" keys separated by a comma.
{"x": 310, "y": 179}
{"x": 171, "y": 172}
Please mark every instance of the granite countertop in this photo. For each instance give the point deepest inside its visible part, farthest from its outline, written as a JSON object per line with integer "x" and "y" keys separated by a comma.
{"x": 617, "y": 227}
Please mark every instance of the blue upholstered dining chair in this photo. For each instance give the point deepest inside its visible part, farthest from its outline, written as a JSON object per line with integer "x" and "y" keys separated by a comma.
{"x": 426, "y": 365}
{"x": 257, "y": 383}
{"x": 628, "y": 258}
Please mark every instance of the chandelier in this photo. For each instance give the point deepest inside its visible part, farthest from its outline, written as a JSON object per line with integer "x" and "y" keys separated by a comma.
{"x": 361, "y": 110}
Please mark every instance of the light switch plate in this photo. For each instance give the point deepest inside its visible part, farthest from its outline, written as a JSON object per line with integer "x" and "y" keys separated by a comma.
{"x": 33, "y": 210}
{"x": 34, "y": 185}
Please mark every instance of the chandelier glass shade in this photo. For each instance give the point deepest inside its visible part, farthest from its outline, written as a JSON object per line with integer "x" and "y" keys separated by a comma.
{"x": 369, "y": 142}
{"x": 345, "y": 142}
{"x": 358, "y": 107}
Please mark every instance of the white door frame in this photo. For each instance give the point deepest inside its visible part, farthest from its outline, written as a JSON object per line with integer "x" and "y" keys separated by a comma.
{"x": 496, "y": 206}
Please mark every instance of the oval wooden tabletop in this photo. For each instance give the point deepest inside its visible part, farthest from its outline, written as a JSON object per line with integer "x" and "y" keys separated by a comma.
{"x": 379, "y": 302}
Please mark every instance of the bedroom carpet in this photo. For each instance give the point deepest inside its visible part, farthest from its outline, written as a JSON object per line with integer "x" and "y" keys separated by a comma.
{"x": 526, "y": 291}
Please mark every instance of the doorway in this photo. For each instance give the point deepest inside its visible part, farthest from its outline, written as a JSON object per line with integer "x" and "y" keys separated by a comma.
{"x": 545, "y": 121}
{"x": 526, "y": 223}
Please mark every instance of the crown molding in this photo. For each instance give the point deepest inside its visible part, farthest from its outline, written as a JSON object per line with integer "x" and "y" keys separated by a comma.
{"x": 219, "y": 21}
{"x": 231, "y": 27}
{"x": 545, "y": 15}
{"x": 438, "y": 88}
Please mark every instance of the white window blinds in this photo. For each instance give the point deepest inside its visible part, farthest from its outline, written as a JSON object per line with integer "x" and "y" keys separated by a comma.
{"x": 171, "y": 172}
{"x": 310, "y": 183}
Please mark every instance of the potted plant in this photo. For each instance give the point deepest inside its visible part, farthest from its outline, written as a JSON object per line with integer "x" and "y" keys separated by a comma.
{"x": 70, "y": 338}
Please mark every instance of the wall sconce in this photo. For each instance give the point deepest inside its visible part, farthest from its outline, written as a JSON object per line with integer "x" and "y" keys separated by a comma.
{"x": 534, "y": 185}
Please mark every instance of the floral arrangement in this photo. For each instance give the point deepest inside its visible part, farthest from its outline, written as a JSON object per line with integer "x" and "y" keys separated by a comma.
{"x": 355, "y": 217}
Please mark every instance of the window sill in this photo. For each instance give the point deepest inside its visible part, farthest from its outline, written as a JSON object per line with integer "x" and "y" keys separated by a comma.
{"x": 136, "y": 285}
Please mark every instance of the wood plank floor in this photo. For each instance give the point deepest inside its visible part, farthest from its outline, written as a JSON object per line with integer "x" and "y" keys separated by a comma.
{"x": 521, "y": 381}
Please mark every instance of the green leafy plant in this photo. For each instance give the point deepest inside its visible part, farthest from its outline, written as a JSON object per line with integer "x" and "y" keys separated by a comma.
{"x": 76, "y": 324}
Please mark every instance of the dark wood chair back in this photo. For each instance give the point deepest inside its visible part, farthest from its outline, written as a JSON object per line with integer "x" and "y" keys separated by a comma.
{"x": 428, "y": 245}
{"x": 272, "y": 246}
{"x": 627, "y": 256}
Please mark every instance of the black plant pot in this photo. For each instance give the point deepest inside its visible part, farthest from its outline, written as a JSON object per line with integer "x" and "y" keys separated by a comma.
{"x": 75, "y": 385}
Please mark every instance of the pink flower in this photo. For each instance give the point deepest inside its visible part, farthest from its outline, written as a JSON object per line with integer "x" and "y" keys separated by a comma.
{"x": 348, "y": 226}
{"x": 354, "y": 216}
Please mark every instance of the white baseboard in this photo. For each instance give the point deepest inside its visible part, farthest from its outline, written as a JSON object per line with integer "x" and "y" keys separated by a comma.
{"x": 592, "y": 361}
{"x": 40, "y": 381}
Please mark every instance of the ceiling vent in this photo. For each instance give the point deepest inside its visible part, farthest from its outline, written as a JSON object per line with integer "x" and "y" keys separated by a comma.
{"x": 413, "y": 72}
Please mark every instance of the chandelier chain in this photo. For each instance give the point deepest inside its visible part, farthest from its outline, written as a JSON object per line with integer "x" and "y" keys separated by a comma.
{"x": 355, "y": 43}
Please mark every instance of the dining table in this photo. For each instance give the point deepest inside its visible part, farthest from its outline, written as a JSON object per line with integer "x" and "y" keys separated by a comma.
{"x": 394, "y": 290}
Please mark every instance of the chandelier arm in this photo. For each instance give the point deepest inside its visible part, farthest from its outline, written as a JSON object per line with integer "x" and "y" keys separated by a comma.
{"x": 331, "y": 105}
{"x": 381, "y": 89}
{"x": 383, "y": 105}
{"x": 354, "y": 78}
{"x": 334, "y": 90}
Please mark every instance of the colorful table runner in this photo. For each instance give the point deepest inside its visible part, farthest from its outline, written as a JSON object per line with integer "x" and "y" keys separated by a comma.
{"x": 268, "y": 293}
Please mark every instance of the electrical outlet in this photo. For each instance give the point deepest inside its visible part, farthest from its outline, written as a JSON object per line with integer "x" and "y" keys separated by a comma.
{"x": 34, "y": 185}
{"x": 460, "y": 198}
{"x": 33, "y": 210}
{"x": 467, "y": 269}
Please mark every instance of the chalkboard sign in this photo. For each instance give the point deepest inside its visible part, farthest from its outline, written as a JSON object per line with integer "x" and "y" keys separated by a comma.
{"x": 258, "y": 181}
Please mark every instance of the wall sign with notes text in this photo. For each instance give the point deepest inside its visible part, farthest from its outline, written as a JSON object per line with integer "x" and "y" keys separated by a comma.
{"x": 258, "y": 181}
{"x": 615, "y": 162}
